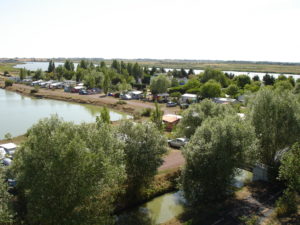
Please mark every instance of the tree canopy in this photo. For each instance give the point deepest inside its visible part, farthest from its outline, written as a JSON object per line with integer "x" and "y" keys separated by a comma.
{"x": 218, "y": 147}
{"x": 69, "y": 174}
{"x": 275, "y": 117}
{"x": 193, "y": 117}
{"x": 144, "y": 148}
{"x": 160, "y": 84}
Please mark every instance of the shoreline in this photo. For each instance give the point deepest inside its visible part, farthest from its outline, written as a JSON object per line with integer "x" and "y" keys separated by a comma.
{"x": 131, "y": 107}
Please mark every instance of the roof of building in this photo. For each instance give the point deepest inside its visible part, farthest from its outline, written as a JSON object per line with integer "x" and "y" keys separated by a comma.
{"x": 8, "y": 146}
{"x": 171, "y": 118}
{"x": 186, "y": 95}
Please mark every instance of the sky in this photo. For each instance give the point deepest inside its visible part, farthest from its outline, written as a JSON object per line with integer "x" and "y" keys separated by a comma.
{"x": 256, "y": 30}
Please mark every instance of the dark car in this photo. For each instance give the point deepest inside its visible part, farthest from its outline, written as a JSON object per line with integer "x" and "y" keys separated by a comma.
{"x": 83, "y": 92}
{"x": 6, "y": 161}
{"x": 178, "y": 142}
{"x": 171, "y": 104}
{"x": 184, "y": 105}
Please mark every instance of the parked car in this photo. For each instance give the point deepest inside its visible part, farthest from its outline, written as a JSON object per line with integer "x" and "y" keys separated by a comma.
{"x": 83, "y": 92}
{"x": 178, "y": 142}
{"x": 125, "y": 97}
{"x": 6, "y": 161}
{"x": 184, "y": 105}
{"x": 171, "y": 104}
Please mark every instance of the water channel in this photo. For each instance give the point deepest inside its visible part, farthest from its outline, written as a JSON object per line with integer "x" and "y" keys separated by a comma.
{"x": 166, "y": 207}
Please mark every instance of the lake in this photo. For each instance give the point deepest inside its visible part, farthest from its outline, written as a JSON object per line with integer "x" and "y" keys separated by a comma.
{"x": 18, "y": 113}
{"x": 44, "y": 66}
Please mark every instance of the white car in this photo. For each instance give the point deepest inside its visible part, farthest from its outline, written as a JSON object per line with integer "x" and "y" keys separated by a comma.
{"x": 178, "y": 142}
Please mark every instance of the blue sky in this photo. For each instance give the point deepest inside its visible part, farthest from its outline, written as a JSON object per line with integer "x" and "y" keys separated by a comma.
{"x": 174, "y": 29}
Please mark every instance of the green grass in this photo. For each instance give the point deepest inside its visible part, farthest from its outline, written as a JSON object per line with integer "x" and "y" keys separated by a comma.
{"x": 8, "y": 67}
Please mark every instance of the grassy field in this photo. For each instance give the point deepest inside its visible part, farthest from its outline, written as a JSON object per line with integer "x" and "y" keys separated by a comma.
{"x": 265, "y": 67}
{"x": 5, "y": 66}
{"x": 224, "y": 66}
{"x": 270, "y": 68}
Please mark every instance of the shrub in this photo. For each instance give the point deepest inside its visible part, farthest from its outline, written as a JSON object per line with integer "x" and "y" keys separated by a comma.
{"x": 34, "y": 90}
{"x": 121, "y": 102}
{"x": 8, "y": 83}
{"x": 286, "y": 204}
{"x": 146, "y": 112}
{"x": 137, "y": 116}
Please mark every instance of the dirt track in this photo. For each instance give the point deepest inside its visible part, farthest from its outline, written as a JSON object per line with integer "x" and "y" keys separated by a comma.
{"x": 173, "y": 160}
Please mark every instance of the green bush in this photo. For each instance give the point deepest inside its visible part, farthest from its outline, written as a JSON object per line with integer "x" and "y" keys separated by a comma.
{"x": 121, "y": 102}
{"x": 8, "y": 83}
{"x": 34, "y": 90}
{"x": 286, "y": 204}
{"x": 146, "y": 112}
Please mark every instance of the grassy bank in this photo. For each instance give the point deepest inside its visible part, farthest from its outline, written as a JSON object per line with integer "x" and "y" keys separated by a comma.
{"x": 8, "y": 67}
{"x": 17, "y": 140}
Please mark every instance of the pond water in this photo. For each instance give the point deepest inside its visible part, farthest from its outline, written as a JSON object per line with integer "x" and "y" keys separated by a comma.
{"x": 18, "y": 113}
{"x": 166, "y": 207}
{"x": 39, "y": 65}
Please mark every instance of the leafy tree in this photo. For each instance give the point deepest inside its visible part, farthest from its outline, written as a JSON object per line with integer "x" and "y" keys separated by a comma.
{"x": 283, "y": 85}
{"x": 275, "y": 117}
{"x": 232, "y": 90}
{"x": 196, "y": 114}
{"x": 153, "y": 71}
{"x": 242, "y": 80}
{"x": 104, "y": 116}
{"x": 84, "y": 64}
{"x": 106, "y": 83}
{"x": 69, "y": 65}
{"x": 69, "y": 174}
{"x": 8, "y": 83}
{"x": 68, "y": 74}
{"x": 103, "y": 64}
{"x": 89, "y": 81}
{"x": 160, "y": 84}
{"x": 289, "y": 170}
{"x": 144, "y": 148}
{"x": 116, "y": 65}
{"x": 124, "y": 86}
{"x": 59, "y": 72}
{"x": 79, "y": 75}
{"x": 281, "y": 77}
{"x": 212, "y": 74}
{"x": 211, "y": 89}
{"x": 156, "y": 117}
{"x": 183, "y": 73}
{"x": 297, "y": 88}
{"x": 174, "y": 82}
{"x": 6, "y": 215}
{"x": 292, "y": 80}
{"x": 256, "y": 78}
{"x": 268, "y": 80}
{"x": 253, "y": 87}
{"x": 137, "y": 72}
{"x": 38, "y": 74}
{"x": 51, "y": 66}
{"x": 23, "y": 73}
{"x": 192, "y": 83}
{"x": 214, "y": 153}
{"x": 191, "y": 72}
